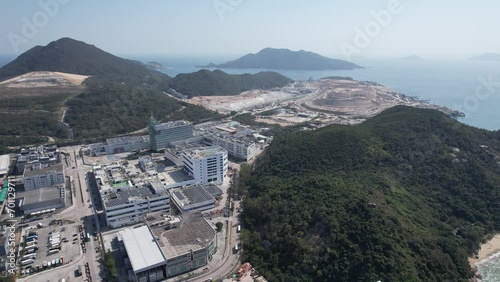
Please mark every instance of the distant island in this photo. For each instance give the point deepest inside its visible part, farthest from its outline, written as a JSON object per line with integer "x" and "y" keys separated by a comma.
{"x": 271, "y": 58}
{"x": 155, "y": 65}
{"x": 412, "y": 58}
{"x": 492, "y": 57}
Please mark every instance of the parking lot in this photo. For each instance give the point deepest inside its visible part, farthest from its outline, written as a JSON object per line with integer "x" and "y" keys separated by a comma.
{"x": 62, "y": 236}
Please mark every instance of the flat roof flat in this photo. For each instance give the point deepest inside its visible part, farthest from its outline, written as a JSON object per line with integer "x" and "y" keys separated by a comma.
{"x": 39, "y": 195}
{"x": 55, "y": 167}
{"x": 175, "y": 176}
{"x": 193, "y": 235}
{"x": 142, "y": 249}
{"x": 4, "y": 164}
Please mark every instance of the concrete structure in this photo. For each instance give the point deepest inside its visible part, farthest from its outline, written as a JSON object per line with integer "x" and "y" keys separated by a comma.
{"x": 40, "y": 200}
{"x": 39, "y": 175}
{"x": 4, "y": 165}
{"x": 188, "y": 247}
{"x": 128, "y": 205}
{"x": 161, "y": 135}
{"x": 145, "y": 256}
{"x": 44, "y": 155}
{"x": 195, "y": 198}
{"x": 119, "y": 145}
{"x": 155, "y": 253}
{"x": 206, "y": 164}
{"x": 240, "y": 148}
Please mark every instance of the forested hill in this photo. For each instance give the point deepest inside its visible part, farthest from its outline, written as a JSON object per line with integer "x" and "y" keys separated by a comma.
{"x": 118, "y": 98}
{"x": 73, "y": 56}
{"x": 406, "y": 196}
{"x": 210, "y": 83}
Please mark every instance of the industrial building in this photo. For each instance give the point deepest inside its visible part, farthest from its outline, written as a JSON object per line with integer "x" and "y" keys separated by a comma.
{"x": 119, "y": 145}
{"x": 41, "y": 200}
{"x": 161, "y": 135}
{"x": 206, "y": 164}
{"x": 241, "y": 148}
{"x": 155, "y": 253}
{"x": 195, "y": 198}
{"x": 146, "y": 259}
{"x": 45, "y": 155}
{"x": 38, "y": 175}
{"x": 125, "y": 205}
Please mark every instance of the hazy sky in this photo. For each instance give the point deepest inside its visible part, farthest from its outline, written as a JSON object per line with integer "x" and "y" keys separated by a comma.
{"x": 444, "y": 28}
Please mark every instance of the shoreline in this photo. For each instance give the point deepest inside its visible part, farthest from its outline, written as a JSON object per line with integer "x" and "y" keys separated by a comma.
{"x": 486, "y": 250}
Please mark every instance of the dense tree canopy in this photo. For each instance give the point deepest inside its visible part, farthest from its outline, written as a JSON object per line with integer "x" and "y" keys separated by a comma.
{"x": 406, "y": 196}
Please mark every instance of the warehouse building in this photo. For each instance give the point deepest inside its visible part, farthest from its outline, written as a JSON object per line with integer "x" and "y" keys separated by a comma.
{"x": 155, "y": 253}
{"x": 119, "y": 145}
{"x": 41, "y": 200}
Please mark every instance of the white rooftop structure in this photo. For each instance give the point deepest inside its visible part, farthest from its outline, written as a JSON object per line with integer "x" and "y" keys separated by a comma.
{"x": 142, "y": 249}
{"x": 4, "y": 164}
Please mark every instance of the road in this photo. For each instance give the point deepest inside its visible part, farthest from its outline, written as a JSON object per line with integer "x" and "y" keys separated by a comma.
{"x": 231, "y": 259}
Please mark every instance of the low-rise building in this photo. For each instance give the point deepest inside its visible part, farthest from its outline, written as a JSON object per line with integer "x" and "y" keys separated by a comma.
{"x": 155, "y": 253}
{"x": 125, "y": 205}
{"x": 119, "y": 145}
{"x": 195, "y": 198}
{"x": 39, "y": 175}
{"x": 41, "y": 200}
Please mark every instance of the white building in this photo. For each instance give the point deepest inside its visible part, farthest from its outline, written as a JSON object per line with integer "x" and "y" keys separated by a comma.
{"x": 119, "y": 145}
{"x": 36, "y": 177}
{"x": 206, "y": 164}
{"x": 241, "y": 148}
{"x": 125, "y": 205}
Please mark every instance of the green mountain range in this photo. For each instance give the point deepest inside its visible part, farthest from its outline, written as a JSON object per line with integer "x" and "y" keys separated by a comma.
{"x": 118, "y": 98}
{"x": 271, "y": 58}
{"x": 210, "y": 83}
{"x": 406, "y": 196}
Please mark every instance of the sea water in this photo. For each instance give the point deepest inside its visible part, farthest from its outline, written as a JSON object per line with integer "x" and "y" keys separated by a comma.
{"x": 472, "y": 87}
{"x": 490, "y": 269}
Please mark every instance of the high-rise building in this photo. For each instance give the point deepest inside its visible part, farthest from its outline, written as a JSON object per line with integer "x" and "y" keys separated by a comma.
{"x": 206, "y": 164}
{"x": 161, "y": 135}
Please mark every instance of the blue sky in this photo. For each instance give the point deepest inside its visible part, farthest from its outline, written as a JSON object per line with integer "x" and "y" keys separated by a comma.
{"x": 448, "y": 29}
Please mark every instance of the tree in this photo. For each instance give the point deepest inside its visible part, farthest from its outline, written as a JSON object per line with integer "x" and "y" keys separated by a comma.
{"x": 219, "y": 226}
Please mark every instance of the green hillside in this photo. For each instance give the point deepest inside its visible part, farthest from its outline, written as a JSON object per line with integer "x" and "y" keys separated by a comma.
{"x": 118, "y": 98}
{"x": 406, "y": 196}
{"x": 210, "y": 83}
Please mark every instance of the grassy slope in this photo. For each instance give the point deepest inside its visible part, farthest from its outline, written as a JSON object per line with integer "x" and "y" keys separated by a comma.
{"x": 309, "y": 194}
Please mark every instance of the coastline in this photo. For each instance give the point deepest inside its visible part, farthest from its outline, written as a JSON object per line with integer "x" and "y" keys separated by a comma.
{"x": 486, "y": 250}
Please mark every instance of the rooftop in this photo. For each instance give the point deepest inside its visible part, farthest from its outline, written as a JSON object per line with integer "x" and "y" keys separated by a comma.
{"x": 191, "y": 195}
{"x": 127, "y": 140}
{"x": 4, "y": 164}
{"x": 202, "y": 152}
{"x": 175, "y": 176}
{"x": 122, "y": 197}
{"x": 31, "y": 172}
{"x": 193, "y": 235}
{"x": 142, "y": 249}
{"x": 171, "y": 124}
{"x": 40, "y": 195}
